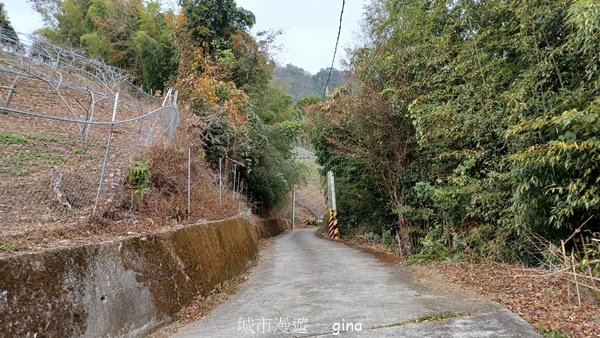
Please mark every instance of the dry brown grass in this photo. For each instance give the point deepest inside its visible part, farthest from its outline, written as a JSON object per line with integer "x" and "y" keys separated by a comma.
{"x": 28, "y": 205}
{"x": 168, "y": 196}
{"x": 165, "y": 206}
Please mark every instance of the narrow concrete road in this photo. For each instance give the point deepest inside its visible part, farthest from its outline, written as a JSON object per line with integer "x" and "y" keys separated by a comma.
{"x": 307, "y": 286}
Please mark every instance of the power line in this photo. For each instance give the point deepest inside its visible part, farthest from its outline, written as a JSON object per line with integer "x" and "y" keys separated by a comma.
{"x": 337, "y": 41}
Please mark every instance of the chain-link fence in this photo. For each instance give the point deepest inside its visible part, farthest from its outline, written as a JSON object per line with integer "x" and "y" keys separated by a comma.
{"x": 69, "y": 127}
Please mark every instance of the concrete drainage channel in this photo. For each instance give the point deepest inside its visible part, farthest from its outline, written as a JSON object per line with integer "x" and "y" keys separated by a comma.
{"x": 126, "y": 287}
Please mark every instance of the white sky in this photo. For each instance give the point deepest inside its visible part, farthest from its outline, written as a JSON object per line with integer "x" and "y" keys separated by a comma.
{"x": 309, "y": 26}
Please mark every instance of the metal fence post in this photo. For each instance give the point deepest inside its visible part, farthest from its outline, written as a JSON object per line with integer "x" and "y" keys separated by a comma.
{"x": 114, "y": 117}
{"x": 234, "y": 177}
{"x": 220, "y": 181}
{"x": 293, "y": 206}
{"x": 189, "y": 179}
{"x": 90, "y": 117}
{"x": 167, "y": 96}
{"x": 158, "y": 116}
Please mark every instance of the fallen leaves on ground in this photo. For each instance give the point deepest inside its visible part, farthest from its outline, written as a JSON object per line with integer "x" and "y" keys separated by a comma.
{"x": 549, "y": 303}
{"x": 546, "y": 302}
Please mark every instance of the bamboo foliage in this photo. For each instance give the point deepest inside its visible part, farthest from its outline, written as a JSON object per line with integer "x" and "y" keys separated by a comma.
{"x": 503, "y": 101}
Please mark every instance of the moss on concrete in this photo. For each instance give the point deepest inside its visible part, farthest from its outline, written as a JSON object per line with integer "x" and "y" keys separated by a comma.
{"x": 127, "y": 286}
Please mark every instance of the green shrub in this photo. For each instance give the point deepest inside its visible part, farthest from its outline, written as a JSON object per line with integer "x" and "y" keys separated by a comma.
{"x": 7, "y": 247}
{"x": 10, "y": 138}
{"x": 388, "y": 239}
{"x": 549, "y": 333}
{"x": 138, "y": 178}
{"x": 219, "y": 139}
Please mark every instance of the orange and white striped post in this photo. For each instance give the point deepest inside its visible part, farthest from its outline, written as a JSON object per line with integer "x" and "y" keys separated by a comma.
{"x": 333, "y": 230}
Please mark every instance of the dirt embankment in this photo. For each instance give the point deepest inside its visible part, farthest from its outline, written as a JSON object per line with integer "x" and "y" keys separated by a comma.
{"x": 127, "y": 286}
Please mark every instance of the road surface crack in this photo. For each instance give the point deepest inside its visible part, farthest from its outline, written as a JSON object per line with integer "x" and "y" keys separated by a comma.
{"x": 435, "y": 317}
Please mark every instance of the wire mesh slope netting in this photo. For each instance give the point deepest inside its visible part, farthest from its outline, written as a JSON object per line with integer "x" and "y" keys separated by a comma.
{"x": 69, "y": 127}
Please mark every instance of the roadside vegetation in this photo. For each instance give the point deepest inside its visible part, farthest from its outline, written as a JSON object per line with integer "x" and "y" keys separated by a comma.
{"x": 469, "y": 130}
{"x": 466, "y": 130}
{"x": 231, "y": 112}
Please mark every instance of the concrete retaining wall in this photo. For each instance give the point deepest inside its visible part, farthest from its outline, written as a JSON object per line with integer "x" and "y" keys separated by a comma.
{"x": 125, "y": 287}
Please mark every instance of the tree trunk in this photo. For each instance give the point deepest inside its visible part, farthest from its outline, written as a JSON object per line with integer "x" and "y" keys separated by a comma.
{"x": 403, "y": 237}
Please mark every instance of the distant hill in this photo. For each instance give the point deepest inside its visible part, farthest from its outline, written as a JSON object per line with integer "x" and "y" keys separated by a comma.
{"x": 299, "y": 83}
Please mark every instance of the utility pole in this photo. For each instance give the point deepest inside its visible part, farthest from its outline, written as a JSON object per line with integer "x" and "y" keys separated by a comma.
{"x": 331, "y": 183}
{"x": 328, "y": 190}
{"x": 333, "y": 230}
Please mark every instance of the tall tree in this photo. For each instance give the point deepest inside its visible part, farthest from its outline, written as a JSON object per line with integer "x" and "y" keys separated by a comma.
{"x": 299, "y": 83}
{"x": 133, "y": 35}
{"x": 9, "y": 36}
{"x": 213, "y": 23}
{"x": 320, "y": 79}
